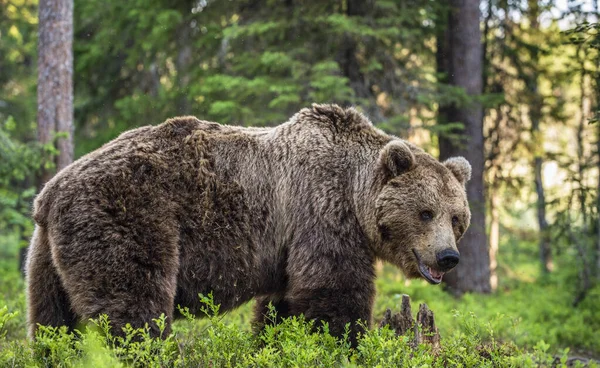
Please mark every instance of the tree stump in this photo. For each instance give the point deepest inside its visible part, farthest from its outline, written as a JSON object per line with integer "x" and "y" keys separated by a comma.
{"x": 424, "y": 329}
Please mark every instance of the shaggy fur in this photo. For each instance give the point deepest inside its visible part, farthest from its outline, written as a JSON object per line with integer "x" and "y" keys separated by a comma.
{"x": 295, "y": 215}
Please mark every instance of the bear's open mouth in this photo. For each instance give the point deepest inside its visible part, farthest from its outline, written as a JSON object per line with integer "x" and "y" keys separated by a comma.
{"x": 428, "y": 273}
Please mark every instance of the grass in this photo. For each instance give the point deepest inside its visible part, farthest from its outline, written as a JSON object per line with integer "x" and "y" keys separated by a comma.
{"x": 529, "y": 322}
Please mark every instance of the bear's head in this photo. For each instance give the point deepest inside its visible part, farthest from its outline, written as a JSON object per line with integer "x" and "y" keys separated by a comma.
{"x": 421, "y": 210}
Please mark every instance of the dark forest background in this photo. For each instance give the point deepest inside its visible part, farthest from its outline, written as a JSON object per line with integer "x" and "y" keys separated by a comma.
{"x": 512, "y": 85}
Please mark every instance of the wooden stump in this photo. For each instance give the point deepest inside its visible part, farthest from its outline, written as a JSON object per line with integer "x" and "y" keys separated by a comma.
{"x": 424, "y": 329}
{"x": 427, "y": 333}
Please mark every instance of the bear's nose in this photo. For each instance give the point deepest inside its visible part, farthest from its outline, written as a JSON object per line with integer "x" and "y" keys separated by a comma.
{"x": 447, "y": 259}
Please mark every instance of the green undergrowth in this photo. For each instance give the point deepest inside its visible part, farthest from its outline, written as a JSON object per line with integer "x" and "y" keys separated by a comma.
{"x": 528, "y": 322}
{"x": 524, "y": 314}
{"x": 217, "y": 342}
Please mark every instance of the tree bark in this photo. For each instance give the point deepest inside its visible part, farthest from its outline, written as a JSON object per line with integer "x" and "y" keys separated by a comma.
{"x": 459, "y": 57}
{"x": 349, "y": 62}
{"x": 582, "y": 238}
{"x": 585, "y": 111}
{"x": 535, "y": 115}
{"x": 55, "y": 86}
{"x": 182, "y": 63}
{"x": 347, "y": 51}
{"x": 494, "y": 236}
{"x": 545, "y": 249}
{"x": 598, "y": 202}
{"x": 55, "y": 79}
{"x": 597, "y": 10}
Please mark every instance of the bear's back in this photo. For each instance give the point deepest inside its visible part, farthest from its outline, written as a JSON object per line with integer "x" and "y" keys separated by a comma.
{"x": 161, "y": 155}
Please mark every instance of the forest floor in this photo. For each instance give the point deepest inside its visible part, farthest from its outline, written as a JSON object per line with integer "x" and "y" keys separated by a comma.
{"x": 528, "y": 321}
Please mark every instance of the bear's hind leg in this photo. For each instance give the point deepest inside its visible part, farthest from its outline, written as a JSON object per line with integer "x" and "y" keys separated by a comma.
{"x": 48, "y": 303}
{"x": 129, "y": 274}
{"x": 137, "y": 312}
{"x": 137, "y": 300}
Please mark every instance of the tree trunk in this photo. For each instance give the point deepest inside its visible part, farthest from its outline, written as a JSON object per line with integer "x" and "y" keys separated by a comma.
{"x": 598, "y": 201}
{"x": 350, "y": 64}
{"x": 545, "y": 250}
{"x": 597, "y": 10}
{"x": 535, "y": 115}
{"x": 494, "y": 236}
{"x": 459, "y": 57}
{"x": 182, "y": 63}
{"x": 55, "y": 79}
{"x": 585, "y": 110}
{"x": 581, "y": 239}
{"x": 55, "y": 85}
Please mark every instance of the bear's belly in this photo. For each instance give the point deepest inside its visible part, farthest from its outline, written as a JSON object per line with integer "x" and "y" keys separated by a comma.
{"x": 225, "y": 266}
{"x": 223, "y": 249}
{"x": 230, "y": 285}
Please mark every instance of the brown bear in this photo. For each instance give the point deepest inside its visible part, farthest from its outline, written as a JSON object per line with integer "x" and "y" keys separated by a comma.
{"x": 295, "y": 215}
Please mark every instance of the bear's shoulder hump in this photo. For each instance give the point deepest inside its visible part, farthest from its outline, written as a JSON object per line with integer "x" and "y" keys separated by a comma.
{"x": 335, "y": 116}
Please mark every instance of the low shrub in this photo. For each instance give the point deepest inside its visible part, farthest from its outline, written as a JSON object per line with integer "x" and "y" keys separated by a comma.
{"x": 215, "y": 342}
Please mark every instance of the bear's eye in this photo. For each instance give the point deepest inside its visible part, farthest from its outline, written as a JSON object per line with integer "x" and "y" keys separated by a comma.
{"x": 426, "y": 215}
{"x": 454, "y": 220}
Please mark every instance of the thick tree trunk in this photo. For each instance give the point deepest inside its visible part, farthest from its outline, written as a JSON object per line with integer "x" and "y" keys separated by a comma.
{"x": 55, "y": 85}
{"x": 349, "y": 63}
{"x": 459, "y": 56}
{"x": 55, "y": 78}
{"x": 347, "y": 55}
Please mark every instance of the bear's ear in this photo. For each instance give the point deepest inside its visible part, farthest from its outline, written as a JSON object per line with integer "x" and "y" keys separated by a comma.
{"x": 460, "y": 167}
{"x": 396, "y": 158}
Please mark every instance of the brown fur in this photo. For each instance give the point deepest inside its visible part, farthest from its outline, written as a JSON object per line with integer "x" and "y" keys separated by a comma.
{"x": 295, "y": 215}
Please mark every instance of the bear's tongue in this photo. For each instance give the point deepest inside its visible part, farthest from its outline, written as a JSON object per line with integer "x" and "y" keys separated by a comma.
{"x": 436, "y": 274}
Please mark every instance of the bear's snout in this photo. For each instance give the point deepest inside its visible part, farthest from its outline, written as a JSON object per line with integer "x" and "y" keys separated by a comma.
{"x": 447, "y": 259}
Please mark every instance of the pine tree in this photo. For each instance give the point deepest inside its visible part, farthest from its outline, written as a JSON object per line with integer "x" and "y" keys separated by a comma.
{"x": 460, "y": 60}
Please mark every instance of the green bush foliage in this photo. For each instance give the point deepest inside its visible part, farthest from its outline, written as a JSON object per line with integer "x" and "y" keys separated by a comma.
{"x": 226, "y": 341}
{"x": 525, "y": 324}
{"x": 293, "y": 343}
{"x": 20, "y": 163}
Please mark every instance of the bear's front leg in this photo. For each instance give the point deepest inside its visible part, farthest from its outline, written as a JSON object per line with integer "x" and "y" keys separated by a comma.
{"x": 336, "y": 290}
